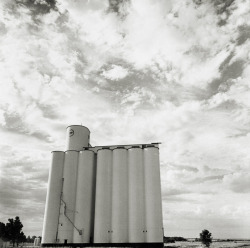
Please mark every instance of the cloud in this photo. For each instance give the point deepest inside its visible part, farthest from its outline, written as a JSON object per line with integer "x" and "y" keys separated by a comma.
{"x": 206, "y": 179}
{"x": 238, "y": 182}
{"x": 14, "y": 123}
{"x": 38, "y": 6}
{"x": 115, "y": 73}
{"x": 120, "y": 7}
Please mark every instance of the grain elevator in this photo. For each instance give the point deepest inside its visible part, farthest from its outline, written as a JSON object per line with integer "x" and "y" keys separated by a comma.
{"x": 103, "y": 196}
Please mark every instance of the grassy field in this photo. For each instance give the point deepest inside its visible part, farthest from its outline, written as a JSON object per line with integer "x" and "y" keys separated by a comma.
{"x": 188, "y": 244}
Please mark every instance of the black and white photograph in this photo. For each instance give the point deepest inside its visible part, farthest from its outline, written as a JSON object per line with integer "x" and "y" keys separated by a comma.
{"x": 125, "y": 123}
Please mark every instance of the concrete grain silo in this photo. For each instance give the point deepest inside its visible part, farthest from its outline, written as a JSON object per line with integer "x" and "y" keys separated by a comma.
{"x": 103, "y": 196}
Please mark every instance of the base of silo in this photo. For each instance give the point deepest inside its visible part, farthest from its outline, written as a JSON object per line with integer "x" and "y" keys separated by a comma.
{"x": 105, "y": 245}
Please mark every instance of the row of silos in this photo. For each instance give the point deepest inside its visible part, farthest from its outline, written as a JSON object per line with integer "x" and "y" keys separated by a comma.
{"x": 128, "y": 181}
{"x": 113, "y": 196}
{"x": 70, "y": 198}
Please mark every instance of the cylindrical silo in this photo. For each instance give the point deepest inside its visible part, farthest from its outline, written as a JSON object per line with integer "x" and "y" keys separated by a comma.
{"x": 120, "y": 196}
{"x": 85, "y": 197}
{"x": 67, "y": 211}
{"x": 154, "y": 225}
{"x": 136, "y": 196}
{"x": 51, "y": 217}
{"x": 77, "y": 137}
{"x": 103, "y": 200}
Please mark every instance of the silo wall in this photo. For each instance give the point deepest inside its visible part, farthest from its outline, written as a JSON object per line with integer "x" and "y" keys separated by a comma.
{"x": 68, "y": 198}
{"x": 103, "y": 197}
{"x": 120, "y": 196}
{"x": 136, "y": 194}
{"x": 153, "y": 207}
{"x": 52, "y": 207}
{"x": 84, "y": 208}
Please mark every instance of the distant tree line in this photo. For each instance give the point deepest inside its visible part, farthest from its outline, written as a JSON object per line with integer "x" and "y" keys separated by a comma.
{"x": 205, "y": 238}
{"x": 173, "y": 239}
{"x": 31, "y": 239}
{"x": 12, "y": 231}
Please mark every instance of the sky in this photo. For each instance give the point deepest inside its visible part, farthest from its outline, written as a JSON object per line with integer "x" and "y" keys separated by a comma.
{"x": 138, "y": 71}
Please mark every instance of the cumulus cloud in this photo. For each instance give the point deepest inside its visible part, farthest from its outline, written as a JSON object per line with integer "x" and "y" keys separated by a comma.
{"x": 238, "y": 182}
{"x": 115, "y": 73}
